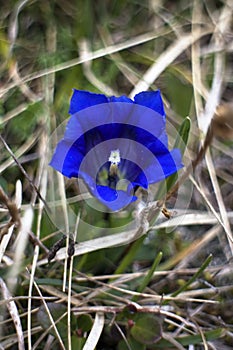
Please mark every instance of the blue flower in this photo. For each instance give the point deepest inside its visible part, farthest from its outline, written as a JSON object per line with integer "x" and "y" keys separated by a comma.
{"x": 116, "y": 145}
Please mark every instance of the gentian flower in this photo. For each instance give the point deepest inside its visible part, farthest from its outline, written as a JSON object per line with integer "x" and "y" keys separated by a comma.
{"x": 116, "y": 145}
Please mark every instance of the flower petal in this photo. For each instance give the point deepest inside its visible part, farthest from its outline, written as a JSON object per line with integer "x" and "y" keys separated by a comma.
{"x": 67, "y": 159}
{"x": 171, "y": 162}
{"x": 83, "y": 99}
{"x": 120, "y": 99}
{"x": 151, "y": 99}
{"x": 111, "y": 198}
{"x": 163, "y": 166}
{"x": 99, "y": 125}
{"x": 113, "y": 118}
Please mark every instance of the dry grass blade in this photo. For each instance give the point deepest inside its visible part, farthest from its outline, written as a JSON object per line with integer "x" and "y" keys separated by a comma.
{"x": 53, "y": 325}
{"x": 172, "y": 341}
{"x": 94, "y": 55}
{"x": 84, "y": 50}
{"x": 95, "y": 333}
{"x": 26, "y": 91}
{"x": 61, "y": 184}
{"x": 22, "y": 169}
{"x": 194, "y": 218}
{"x": 222, "y": 208}
{"x": 14, "y": 25}
{"x": 145, "y": 216}
{"x": 185, "y": 256}
{"x": 13, "y": 212}
{"x": 43, "y": 187}
{"x": 165, "y": 59}
{"x": 4, "y": 241}
{"x": 123, "y": 66}
{"x": 12, "y": 35}
{"x": 13, "y": 208}
{"x": 15, "y": 112}
{"x": 96, "y": 244}
{"x": 213, "y": 100}
{"x": 13, "y": 311}
{"x": 19, "y": 247}
{"x": 70, "y": 288}
{"x": 42, "y": 172}
{"x": 23, "y": 149}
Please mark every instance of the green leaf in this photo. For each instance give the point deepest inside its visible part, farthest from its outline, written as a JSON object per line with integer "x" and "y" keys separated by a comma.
{"x": 149, "y": 275}
{"x": 183, "y": 135}
{"x": 77, "y": 342}
{"x": 191, "y": 339}
{"x": 178, "y": 88}
{"x": 194, "y": 277}
{"x": 85, "y": 323}
{"x": 146, "y": 329}
{"x": 133, "y": 343}
{"x": 128, "y": 258}
{"x": 180, "y": 143}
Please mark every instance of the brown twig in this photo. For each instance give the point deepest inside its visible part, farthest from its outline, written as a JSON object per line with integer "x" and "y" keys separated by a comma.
{"x": 13, "y": 211}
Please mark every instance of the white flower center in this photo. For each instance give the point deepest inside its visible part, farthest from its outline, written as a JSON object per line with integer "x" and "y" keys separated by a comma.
{"x": 115, "y": 158}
